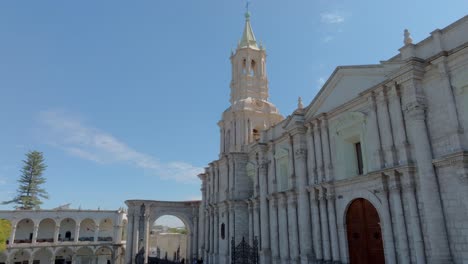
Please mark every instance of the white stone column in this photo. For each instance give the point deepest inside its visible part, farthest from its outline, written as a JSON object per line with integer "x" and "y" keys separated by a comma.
{"x": 311, "y": 164}
{"x": 251, "y": 224}
{"x": 398, "y": 214}
{"x": 327, "y": 165}
{"x": 316, "y": 230}
{"x": 398, "y": 126}
{"x": 274, "y": 238}
{"x": 96, "y": 233}
{"x": 195, "y": 240}
{"x": 35, "y": 232}
{"x": 212, "y": 237}
{"x": 216, "y": 235}
{"x": 303, "y": 207}
{"x": 385, "y": 126}
{"x": 324, "y": 224}
{"x": 437, "y": 240}
{"x": 129, "y": 244}
{"x": 231, "y": 222}
{"x": 293, "y": 231}
{"x": 409, "y": 194}
{"x": 265, "y": 251}
{"x": 13, "y": 234}
{"x": 283, "y": 228}
{"x": 318, "y": 152}
{"x": 387, "y": 228}
{"x": 256, "y": 219}
{"x": 449, "y": 98}
{"x": 56, "y": 233}
{"x": 136, "y": 235}
{"x": 335, "y": 248}
{"x": 206, "y": 242}
{"x": 374, "y": 136}
{"x": 77, "y": 233}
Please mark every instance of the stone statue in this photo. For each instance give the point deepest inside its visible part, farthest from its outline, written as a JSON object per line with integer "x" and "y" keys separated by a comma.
{"x": 407, "y": 40}
{"x": 140, "y": 256}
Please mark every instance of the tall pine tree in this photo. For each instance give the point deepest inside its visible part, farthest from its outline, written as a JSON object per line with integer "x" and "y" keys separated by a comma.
{"x": 29, "y": 192}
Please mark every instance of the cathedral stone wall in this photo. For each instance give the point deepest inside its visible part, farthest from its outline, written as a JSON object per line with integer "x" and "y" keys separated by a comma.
{"x": 389, "y": 136}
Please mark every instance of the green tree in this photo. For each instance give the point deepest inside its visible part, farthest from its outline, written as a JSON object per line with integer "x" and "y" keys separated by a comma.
{"x": 29, "y": 192}
{"x": 5, "y": 230}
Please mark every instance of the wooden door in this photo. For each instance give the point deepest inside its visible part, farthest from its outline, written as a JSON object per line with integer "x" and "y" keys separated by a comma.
{"x": 364, "y": 233}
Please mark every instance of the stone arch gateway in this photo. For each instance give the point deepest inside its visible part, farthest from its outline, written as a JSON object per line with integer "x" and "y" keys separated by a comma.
{"x": 142, "y": 213}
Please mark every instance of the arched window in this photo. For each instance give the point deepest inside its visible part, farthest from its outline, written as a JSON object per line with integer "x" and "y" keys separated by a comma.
{"x": 68, "y": 236}
{"x": 252, "y": 71}
{"x": 244, "y": 66}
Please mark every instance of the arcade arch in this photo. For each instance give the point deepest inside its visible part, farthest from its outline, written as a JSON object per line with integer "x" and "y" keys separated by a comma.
{"x": 67, "y": 230}
{"x": 24, "y": 231}
{"x": 63, "y": 256}
{"x": 104, "y": 255}
{"x": 21, "y": 256}
{"x": 46, "y": 231}
{"x": 85, "y": 255}
{"x": 87, "y": 230}
{"x": 43, "y": 255}
{"x": 106, "y": 230}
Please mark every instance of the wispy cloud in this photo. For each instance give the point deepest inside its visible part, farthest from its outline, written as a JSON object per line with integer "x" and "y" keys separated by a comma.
{"x": 332, "y": 17}
{"x": 327, "y": 39}
{"x": 86, "y": 142}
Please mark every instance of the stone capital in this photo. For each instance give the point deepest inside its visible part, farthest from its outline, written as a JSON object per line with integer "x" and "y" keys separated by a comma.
{"x": 416, "y": 110}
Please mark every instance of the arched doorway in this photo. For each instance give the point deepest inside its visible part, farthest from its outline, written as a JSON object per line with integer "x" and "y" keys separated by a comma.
{"x": 364, "y": 234}
{"x": 168, "y": 238}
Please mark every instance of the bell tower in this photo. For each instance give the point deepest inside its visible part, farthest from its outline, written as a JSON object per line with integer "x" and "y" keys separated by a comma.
{"x": 250, "y": 111}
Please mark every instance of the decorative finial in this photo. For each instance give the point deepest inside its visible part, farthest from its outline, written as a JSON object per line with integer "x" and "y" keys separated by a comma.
{"x": 407, "y": 40}
{"x": 299, "y": 103}
{"x": 247, "y": 13}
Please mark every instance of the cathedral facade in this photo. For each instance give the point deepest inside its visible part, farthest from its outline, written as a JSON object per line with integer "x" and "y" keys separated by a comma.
{"x": 373, "y": 170}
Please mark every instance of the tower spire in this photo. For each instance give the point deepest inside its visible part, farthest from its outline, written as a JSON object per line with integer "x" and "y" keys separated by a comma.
{"x": 248, "y": 38}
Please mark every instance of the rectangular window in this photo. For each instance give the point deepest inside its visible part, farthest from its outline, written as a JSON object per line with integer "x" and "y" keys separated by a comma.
{"x": 360, "y": 165}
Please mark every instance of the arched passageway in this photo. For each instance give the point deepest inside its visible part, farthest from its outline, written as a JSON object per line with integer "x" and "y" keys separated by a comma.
{"x": 67, "y": 230}
{"x": 20, "y": 256}
{"x": 168, "y": 237}
{"x": 63, "y": 256}
{"x": 24, "y": 231}
{"x": 46, "y": 231}
{"x": 43, "y": 256}
{"x": 364, "y": 233}
{"x": 85, "y": 255}
{"x": 143, "y": 213}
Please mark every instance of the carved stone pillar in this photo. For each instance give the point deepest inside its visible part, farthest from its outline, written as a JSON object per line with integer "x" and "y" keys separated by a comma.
{"x": 77, "y": 233}
{"x": 398, "y": 215}
{"x": 251, "y": 221}
{"x": 318, "y": 151}
{"x": 303, "y": 207}
{"x": 437, "y": 240}
{"x": 56, "y": 233}
{"x": 324, "y": 225}
{"x": 326, "y": 150}
{"x": 283, "y": 228}
{"x": 374, "y": 138}
{"x": 335, "y": 248}
{"x": 265, "y": 251}
{"x": 316, "y": 230}
{"x": 409, "y": 193}
{"x": 311, "y": 164}
{"x": 398, "y": 126}
{"x": 387, "y": 228}
{"x": 274, "y": 238}
{"x": 293, "y": 230}
{"x": 35, "y": 232}
{"x": 256, "y": 218}
{"x": 13, "y": 234}
{"x": 386, "y": 128}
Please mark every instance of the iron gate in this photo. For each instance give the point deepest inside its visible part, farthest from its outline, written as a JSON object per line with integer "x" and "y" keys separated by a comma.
{"x": 243, "y": 253}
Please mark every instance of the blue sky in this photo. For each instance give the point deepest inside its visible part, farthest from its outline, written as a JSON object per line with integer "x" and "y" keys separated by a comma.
{"x": 123, "y": 97}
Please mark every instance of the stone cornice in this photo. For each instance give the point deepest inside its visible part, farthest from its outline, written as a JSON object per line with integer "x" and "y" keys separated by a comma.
{"x": 459, "y": 159}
